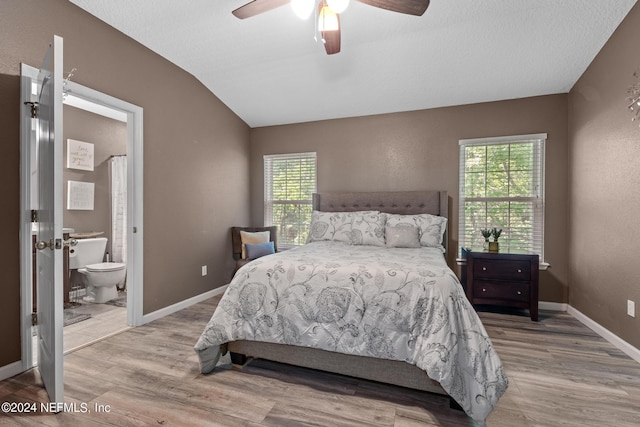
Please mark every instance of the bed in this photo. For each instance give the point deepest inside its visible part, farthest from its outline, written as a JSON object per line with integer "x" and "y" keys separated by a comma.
{"x": 353, "y": 306}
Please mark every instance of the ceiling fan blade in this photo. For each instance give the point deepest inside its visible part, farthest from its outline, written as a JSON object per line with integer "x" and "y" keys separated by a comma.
{"x": 256, "y": 7}
{"x": 330, "y": 38}
{"x": 331, "y": 41}
{"x": 409, "y": 7}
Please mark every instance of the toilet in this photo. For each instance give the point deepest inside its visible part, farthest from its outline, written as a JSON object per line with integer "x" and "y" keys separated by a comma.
{"x": 87, "y": 267}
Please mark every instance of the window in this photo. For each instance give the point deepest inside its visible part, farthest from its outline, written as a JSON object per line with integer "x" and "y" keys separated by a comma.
{"x": 502, "y": 186}
{"x": 289, "y": 182}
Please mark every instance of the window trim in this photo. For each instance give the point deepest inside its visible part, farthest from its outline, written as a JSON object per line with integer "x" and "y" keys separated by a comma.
{"x": 539, "y": 177}
{"x": 268, "y": 187}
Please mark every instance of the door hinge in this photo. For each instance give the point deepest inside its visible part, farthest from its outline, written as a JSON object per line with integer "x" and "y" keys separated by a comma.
{"x": 34, "y": 109}
{"x": 34, "y": 319}
{"x": 34, "y": 215}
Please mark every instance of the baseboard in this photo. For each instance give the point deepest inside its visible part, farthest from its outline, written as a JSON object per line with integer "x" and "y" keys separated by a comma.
{"x": 11, "y": 370}
{"x": 182, "y": 304}
{"x": 612, "y": 338}
{"x": 621, "y": 344}
{"x": 552, "y": 306}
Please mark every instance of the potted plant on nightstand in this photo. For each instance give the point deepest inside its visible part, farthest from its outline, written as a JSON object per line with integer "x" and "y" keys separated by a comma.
{"x": 495, "y": 246}
{"x": 486, "y": 233}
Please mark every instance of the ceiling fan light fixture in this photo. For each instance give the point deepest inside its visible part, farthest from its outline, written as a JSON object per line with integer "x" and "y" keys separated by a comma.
{"x": 302, "y": 8}
{"x": 327, "y": 19}
{"x": 338, "y": 6}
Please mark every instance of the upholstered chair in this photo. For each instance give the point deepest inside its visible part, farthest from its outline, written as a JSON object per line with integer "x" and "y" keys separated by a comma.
{"x": 236, "y": 241}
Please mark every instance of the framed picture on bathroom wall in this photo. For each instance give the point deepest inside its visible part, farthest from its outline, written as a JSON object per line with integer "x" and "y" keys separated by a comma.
{"x": 79, "y": 155}
{"x": 80, "y": 195}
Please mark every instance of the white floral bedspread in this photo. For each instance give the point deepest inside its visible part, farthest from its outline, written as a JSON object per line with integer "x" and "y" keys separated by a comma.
{"x": 400, "y": 304}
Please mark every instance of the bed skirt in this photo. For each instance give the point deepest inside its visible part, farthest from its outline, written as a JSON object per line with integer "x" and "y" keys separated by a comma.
{"x": 386, "y": 371}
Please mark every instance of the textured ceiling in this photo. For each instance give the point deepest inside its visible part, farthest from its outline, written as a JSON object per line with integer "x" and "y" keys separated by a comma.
{"x": 269, "y": 69}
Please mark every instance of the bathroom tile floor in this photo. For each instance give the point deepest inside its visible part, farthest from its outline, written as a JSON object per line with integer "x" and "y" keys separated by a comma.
{"x": 105, "y": 320}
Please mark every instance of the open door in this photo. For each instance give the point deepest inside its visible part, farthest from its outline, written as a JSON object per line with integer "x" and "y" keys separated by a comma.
{"x": 49, "y": 241}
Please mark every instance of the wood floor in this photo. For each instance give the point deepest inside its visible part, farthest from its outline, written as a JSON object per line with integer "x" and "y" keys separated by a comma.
{"x": 105, "y": 320}
{"x": 560, "y": 372}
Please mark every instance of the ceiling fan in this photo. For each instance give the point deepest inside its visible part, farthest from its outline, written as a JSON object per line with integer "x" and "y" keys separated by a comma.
{"x": 328, "y": 13}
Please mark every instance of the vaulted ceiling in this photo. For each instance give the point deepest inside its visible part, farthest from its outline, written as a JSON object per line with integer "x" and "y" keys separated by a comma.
{"x": 269, "y": 69}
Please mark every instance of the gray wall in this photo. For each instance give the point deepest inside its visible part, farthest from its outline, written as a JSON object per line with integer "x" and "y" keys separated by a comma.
{"x": 196, "y": 154}
{"x": 604, "y": 177}
{"x": 419, "y": 151}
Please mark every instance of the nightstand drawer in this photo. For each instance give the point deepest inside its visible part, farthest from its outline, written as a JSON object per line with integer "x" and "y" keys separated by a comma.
{"x": 503, "y": 279}
{"x": 512, "y": 292}
{"x": 498, "y": 269}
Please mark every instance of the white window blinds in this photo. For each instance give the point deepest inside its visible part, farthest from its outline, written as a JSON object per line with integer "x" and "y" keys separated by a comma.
{"x": 289, "y": 182}
{"x": 502, "y": 186}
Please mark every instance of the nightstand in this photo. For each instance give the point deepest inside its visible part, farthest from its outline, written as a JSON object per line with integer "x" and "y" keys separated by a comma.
{"x": 505, "y": 279}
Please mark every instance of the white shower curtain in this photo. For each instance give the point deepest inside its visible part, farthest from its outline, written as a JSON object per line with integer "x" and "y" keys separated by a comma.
{"x": 118, "y": 171}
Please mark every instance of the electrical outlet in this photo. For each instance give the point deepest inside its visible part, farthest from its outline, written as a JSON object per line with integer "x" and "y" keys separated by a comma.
{"x": 204, "y": 270}
{"x": 631, "y": 308}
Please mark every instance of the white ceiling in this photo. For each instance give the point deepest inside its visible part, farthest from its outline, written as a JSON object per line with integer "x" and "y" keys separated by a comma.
{"x": 269, "y": 70}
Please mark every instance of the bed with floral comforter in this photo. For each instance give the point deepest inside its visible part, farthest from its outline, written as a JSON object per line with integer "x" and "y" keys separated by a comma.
{"x": 393, "y": 303}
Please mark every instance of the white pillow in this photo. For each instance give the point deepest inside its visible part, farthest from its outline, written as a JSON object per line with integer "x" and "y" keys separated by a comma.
{"x": 367, "y": 228}
{"x": 334, "y": 226}
{"x": 431, "y": 227}
{"x": 253, "y": 238}
{"x": 402, "y": 236}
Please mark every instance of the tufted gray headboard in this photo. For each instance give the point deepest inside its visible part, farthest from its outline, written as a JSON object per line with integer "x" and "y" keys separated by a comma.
{"x": 393, "y": 202}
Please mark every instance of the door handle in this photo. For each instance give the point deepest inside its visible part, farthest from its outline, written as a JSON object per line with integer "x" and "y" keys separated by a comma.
{"x": 43, "y": 245}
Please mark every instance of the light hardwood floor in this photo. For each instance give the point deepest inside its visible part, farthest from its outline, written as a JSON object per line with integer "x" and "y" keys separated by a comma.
{"x": 560, "y": 372}
{"x": 105, "y": 320}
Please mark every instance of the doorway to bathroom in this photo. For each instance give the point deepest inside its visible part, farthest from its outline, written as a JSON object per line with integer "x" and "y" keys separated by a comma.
{"x": 94, "y": 154}
{"x": 114, "y": 129}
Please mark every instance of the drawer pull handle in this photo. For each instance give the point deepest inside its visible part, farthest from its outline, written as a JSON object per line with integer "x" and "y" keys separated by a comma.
{"x": 519, "y": 293}
{"x": 484, "y": 290}
{"x": 519, "y": 271}
{"x": 484, "y": 268}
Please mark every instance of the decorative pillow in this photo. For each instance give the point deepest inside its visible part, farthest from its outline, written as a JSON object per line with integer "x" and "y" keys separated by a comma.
{"x": 402, "y": 236}
{"x": 253, "y": 238}
{"x": 367, "y": 228}
{"x": 257, "y": 250}
{"x": 332, "y": 226}
{"x": 432, "y": 231}
{"x": 320, "y": 227}
{"x": 431, "y": 227}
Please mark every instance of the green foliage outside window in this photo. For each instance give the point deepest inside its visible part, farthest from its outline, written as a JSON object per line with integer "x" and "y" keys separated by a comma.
{"x": 501, "y": 190}
{"x": 290, "y": 182}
